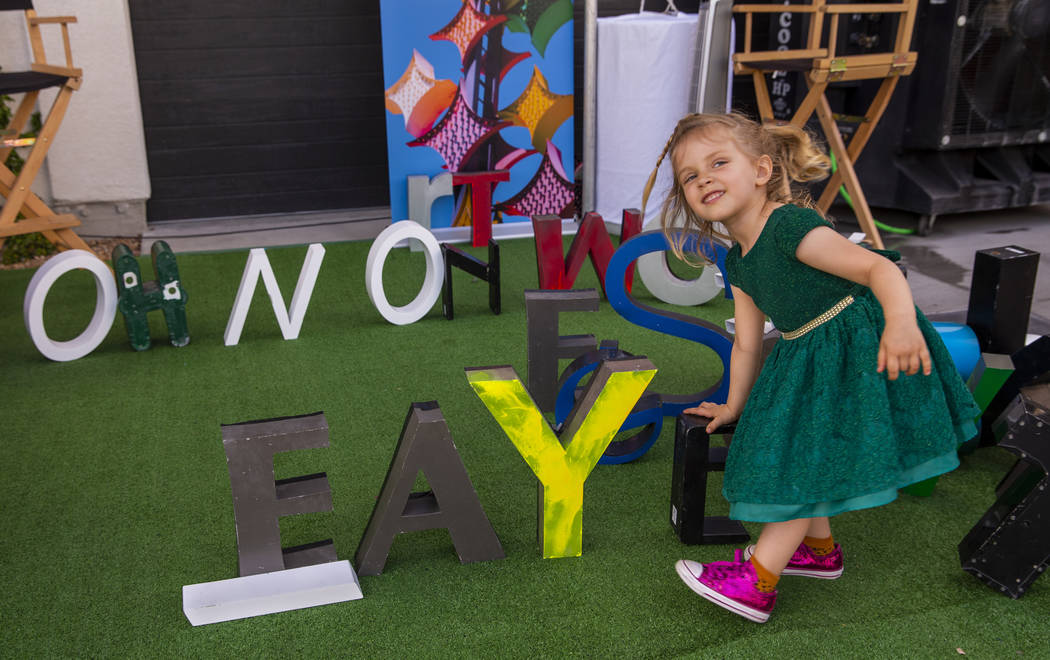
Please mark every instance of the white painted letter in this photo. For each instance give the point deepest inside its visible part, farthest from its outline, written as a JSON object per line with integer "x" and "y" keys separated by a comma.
{"x": 423, "y": 191}
{"x": 290, "y": 320}
{"x": 668, "y": 287}
{"x": 428, "y": 294}
{"x": 101, "y": 321}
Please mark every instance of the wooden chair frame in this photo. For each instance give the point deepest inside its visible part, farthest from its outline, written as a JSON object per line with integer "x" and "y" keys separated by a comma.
{"x": 822, "y": 65}
{"x": 18, "y": 197}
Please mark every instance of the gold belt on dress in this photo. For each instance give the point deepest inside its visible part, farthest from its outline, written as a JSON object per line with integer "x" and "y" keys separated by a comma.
{"x": 820, "y": 320}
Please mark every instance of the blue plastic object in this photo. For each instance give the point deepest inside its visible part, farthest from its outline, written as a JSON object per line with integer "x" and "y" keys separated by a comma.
{"x": 646, "y": 415}
{"x": 962, "y": 345}
{"x": 671, "y": 323}
{"x": 653, "y": 407}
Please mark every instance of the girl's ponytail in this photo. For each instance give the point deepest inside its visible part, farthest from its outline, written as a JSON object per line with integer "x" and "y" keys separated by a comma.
{"x": 796, "y": 159}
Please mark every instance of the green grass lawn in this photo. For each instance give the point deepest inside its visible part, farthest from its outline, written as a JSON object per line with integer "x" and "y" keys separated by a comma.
{"x": 117, "y": 493}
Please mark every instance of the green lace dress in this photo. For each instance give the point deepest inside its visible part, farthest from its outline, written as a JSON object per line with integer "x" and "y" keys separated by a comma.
{"x": 822, "y": 431}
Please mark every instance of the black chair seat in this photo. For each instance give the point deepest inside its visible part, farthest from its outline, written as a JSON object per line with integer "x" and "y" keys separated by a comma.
{"x": 29, "y": 81}
{"x": 804, "y": 64}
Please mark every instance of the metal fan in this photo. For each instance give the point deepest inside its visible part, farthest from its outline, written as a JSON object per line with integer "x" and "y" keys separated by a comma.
{"x": 1004, "y": 72}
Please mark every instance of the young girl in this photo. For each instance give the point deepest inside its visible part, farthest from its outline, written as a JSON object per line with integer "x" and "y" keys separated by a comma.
{"x": 858, "y": 398}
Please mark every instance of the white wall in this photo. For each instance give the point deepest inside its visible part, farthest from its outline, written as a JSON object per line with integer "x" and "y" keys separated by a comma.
{"x": 97, "y": 165}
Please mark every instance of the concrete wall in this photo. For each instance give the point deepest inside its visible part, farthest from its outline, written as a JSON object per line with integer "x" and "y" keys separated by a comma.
{"x": 97, "y": 166}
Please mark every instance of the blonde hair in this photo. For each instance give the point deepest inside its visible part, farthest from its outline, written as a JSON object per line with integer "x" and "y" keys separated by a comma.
{"x": 795, "y": 154}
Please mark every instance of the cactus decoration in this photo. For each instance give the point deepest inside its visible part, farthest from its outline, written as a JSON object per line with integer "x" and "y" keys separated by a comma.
{"x": 137, "y": 298}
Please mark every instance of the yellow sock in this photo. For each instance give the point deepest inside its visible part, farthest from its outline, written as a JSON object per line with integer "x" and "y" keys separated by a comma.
{"x": 767, "y": 581}
{"x": 820, "y": 547}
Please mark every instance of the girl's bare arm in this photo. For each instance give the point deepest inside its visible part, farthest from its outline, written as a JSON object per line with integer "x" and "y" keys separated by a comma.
{"x": 902, "y": 347}
{"x": 743, "y": 363}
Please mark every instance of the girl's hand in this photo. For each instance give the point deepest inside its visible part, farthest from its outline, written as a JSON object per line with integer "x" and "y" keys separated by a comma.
{"x": 903, "y": 349}
{"x": 719, "y": 413}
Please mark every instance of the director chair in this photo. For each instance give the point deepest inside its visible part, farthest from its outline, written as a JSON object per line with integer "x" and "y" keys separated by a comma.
{"x": 18, "y": 197}
{"x": 822, "y": 65}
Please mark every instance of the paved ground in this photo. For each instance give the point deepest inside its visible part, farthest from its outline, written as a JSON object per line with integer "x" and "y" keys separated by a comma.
{"x": 939, "y": 265}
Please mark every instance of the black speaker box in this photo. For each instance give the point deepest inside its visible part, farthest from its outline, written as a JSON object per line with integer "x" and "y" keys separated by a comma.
{"x": 969, "y": 130}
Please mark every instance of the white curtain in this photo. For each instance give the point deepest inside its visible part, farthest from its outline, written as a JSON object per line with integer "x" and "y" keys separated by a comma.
{"x": 645, "y": 71}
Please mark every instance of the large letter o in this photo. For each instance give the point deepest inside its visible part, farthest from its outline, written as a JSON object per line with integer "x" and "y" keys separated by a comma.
{"x": 105, "y": 305}
{"x": 657, "y": 277}
{"x": 428, "y": 295}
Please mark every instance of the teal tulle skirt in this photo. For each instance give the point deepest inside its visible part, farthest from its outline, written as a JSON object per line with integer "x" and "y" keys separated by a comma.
{"x": 823, "y": 433}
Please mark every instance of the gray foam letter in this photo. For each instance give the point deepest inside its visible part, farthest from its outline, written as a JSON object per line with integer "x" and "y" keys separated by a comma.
{"x": 545, "y": 346}
{"x": 452, "y": 503}
{"x": 259, "y": 500}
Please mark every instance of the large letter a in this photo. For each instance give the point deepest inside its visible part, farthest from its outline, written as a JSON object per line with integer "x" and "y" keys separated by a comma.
{"x": 426, "y": 445}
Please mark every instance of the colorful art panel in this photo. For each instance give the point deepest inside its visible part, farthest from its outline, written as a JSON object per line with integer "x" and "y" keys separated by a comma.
{"x": 476, "y": 86}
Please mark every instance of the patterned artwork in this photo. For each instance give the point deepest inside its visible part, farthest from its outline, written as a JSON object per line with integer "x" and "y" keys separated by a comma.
{"x": 540, "y": 18}
{"x": 539, "y": 110}
{"x": 459, "y": 133}
{"x": 480, "y": 85}
{"x": 419, "y": 96}
{"x": 467, "y": 28}
{"x": 548, "y": 192}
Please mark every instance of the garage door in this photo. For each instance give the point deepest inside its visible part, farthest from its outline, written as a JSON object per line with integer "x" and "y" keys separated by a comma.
{"x": 261, "y": 106}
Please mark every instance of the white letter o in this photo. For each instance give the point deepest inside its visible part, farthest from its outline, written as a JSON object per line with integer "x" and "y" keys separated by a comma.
{"x": 105, "y": 305}
{"x": 428, "y": 294}
{"x": 657, "y": 277}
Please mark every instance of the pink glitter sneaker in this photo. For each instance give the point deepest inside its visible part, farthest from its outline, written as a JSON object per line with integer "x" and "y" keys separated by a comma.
{"x": 729, "y": 584}
{"x": 806, "y": 563}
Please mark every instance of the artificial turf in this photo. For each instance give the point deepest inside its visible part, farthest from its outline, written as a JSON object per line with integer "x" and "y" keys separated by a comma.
{"x": 117, "y": 493}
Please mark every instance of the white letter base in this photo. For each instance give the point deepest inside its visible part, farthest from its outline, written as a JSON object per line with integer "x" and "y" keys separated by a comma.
{"x": 267, "y": 593}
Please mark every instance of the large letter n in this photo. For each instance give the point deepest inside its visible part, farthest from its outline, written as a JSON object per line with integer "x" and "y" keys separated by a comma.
{"x": 291, "y": 319}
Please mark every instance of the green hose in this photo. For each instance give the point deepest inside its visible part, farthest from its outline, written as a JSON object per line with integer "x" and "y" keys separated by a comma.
{"x": 849, "y": 200}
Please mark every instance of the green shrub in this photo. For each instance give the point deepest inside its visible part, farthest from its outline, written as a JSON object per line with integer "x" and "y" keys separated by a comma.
{"x": 26, "y": 246}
